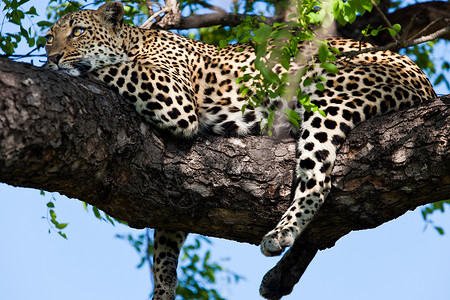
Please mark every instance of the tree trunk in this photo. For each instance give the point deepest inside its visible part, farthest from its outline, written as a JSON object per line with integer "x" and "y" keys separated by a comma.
{"x": 80, "y": 139}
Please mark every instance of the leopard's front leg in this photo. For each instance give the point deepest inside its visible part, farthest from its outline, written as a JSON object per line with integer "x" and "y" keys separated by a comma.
{"x": 317, "y": 146}
{"x": 167, "y": 246}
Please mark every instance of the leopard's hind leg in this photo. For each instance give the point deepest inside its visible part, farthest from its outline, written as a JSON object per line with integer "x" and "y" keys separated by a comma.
{"x": 167, "y": 246}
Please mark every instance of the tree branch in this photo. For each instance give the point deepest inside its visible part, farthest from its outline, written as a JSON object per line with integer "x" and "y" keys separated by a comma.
{"x": 417, "y": 17}
{"x": 78, "y": 138}
{"x": 399, "y": 44}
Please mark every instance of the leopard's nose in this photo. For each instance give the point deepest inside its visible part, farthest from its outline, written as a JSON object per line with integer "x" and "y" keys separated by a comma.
{"x": 55, "y": 58}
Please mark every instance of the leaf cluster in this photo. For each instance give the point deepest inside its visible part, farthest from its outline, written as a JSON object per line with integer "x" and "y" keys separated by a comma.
{"x": 430, "y": 209}
{"x": 15, "y": 13}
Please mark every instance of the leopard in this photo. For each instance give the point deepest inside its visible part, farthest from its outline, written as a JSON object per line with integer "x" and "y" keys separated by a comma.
{"x": 187, "y": 87}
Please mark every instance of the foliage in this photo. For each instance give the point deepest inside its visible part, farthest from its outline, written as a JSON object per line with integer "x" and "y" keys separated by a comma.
{"x": 51, "y": 218}
{"x": 15, "y": 13}
{"x": 198, "y": 275}
{"x": 278, "y": 45}
{"x": 430, "y": 209}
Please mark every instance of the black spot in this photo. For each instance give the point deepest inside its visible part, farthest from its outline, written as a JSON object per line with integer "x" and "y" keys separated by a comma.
{"x": 350, "y": 104}
{"x": 322, "y": 155}
{"x": 309, "y": 146}
{"x": 316, "y": 122}
{"x": 346, "y": 114}
{"x": 131, "y": 88}
{"x": 209, "y": 91}
{"x": 307, "y": 163}
{"x": 336, "y": 101}
{"x": 144, "y": 96}
{"x": 113, "y": 71}
{"x": 330, "y": 124}
{"x": 345, "y": 128}
{"x": 120, "y": 81}
{"x": 134, "y": 77}
{"x": 356, "y": 118}
{"x": 229, "y": 127}
{"x": 311, "y": 183}
{"x": 125, "y": 70}
{"x": 368, "y": 82}
{"x": 174, "y": 113}
{"x": 305, "y": 134}
{"x": 330, "y": 83}
{"x": 183, "y": 123}
{"x": 321, "y": 137}
{"x": 107, "y": 79}
{"x": 337, "y": 140}
{"x": 188, "y": 108}
{"x": 383, "y": 107}
{"x": 352, "y": 86}
{"x": 249, "y": 117}
{"x": 214, "y": 110}
{"x": 192, "y": 118}
{"x": 332, "y": 110}
{"x": 161, "y": 87}
{"x": 147, "y": 112}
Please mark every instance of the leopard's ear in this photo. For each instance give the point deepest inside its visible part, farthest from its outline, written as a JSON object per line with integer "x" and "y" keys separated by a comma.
{"x": 111, "y": 13}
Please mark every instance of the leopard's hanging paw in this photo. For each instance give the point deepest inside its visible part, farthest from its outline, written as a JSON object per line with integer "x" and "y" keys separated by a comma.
{"x": 277, "y": 240}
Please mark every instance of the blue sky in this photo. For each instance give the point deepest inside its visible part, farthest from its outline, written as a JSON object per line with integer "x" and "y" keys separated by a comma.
{"x": 398, "y": 260}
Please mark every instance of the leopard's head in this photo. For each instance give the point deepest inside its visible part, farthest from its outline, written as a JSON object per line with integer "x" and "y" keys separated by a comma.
{"x": 86, "y": 40}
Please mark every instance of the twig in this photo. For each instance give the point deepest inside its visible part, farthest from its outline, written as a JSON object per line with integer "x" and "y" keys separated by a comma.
{"x": 408, "y": 28}
{"x": 428, "y": 27}
{"x": 149, "y": 22}
{"x": 400, "y": 44}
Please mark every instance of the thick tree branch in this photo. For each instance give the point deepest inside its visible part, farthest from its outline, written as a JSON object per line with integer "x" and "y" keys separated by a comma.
{"x": 75, "y": 137}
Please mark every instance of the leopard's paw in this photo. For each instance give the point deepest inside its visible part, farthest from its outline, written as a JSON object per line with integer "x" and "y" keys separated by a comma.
{"x": 276, "y": 241}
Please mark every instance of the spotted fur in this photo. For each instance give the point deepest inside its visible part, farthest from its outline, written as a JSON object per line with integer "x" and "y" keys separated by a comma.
{"x": 185, "y": 86}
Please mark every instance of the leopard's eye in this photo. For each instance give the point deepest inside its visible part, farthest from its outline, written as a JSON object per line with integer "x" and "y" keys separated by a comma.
{"x": 49, "y": 39}
{"x": 77, "y": 31}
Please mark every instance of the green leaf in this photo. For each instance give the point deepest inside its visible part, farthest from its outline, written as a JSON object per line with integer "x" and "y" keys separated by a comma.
{"x": 392, "y": 32}
{"x": 96, "y": 212}
{"x": 223, "y": 44}
{"x": 245, "y": 91}
{"x": 61, "y": 225}
{"x": 439, "y": 229}
{"x": 397, "y": 27}
{"x": 52, "y": 214}
{"x": 330, "y": 67}
{"x": 307, "y": 81}
{"x": 31, "y": 11}
{"x": 323, "y": 53}
{"x": 50, "y": 205}
{"x": 366, "y": 4}
{"x": 44, "y": 24}
{"x": 320, "y": 86}
{"x": 263, "y": 33}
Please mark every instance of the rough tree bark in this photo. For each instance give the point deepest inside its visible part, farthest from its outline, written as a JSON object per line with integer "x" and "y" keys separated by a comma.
{"x": 78, "y": 138}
